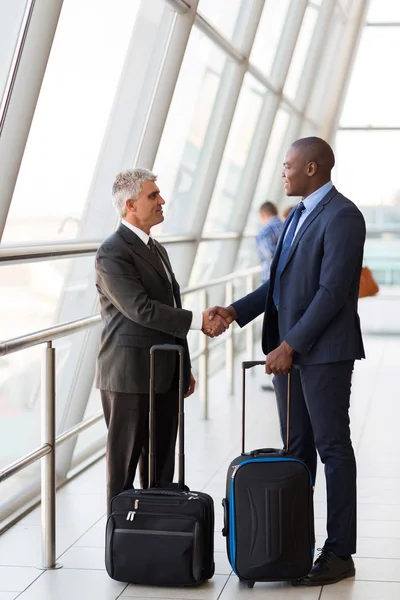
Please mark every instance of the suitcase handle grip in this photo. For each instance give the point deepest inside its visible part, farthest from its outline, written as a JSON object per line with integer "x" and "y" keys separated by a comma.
{"x": 181, "y": 415}
{"x": 265, "y": 451}
{"x": 249, "y": 364}
{"x": 225, "y": 528}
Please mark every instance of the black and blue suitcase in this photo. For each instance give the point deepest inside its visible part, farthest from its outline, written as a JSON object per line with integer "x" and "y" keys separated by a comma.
{"x": 268, "y": 511}
{"x": 163, "y": 535}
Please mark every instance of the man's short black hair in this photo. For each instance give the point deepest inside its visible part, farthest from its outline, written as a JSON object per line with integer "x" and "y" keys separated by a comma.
{"x": 316, "y": 150}
{"x": 269, "y": 208}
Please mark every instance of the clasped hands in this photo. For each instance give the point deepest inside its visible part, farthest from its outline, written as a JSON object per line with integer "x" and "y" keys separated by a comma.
{"x": 217, "y": 319}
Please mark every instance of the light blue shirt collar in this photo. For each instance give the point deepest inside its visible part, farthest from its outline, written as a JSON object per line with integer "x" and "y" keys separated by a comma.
{"x": 315, "y": 198}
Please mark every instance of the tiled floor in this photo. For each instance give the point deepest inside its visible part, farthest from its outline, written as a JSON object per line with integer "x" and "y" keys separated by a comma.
{"x": 210, "y": 447}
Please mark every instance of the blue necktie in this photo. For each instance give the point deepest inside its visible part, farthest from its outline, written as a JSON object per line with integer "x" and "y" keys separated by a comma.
{"x": 287, "y": 242}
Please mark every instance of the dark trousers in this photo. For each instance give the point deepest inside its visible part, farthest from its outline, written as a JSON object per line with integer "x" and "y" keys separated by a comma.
{"x": 319, "y": 420}
{"x": 127, "y": 420}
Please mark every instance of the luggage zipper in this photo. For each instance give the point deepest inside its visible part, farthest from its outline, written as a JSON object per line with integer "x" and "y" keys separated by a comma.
{"x": 235, "y": 468}
{"x": 132, "y": 513}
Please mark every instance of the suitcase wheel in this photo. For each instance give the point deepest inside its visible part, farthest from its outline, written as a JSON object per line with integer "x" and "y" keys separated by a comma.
{"x": 250, "y": 584}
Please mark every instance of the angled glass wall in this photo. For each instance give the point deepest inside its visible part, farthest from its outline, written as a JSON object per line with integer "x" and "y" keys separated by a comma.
{"x": 209, "y": 97}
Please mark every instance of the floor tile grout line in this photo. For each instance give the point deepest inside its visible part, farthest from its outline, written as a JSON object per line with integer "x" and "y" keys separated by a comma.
{"x": 122, "y": 591}
{"x": 370, "y": 402}
{"x": 224, "y": 586}
{"x": 81, "y": 536}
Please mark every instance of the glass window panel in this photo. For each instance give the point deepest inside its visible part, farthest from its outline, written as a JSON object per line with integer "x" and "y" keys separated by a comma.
{"x": 11, "y": 18}
{"x": 206, "y": 263}
{"x": 30, "y": 294}
{"x": 317, "y": 106}
{"x": 222, "y": 14}
{"x": 20, "y": 410}
{"x": 223, "y": 204}
{"x": 247, "y": 256}
{"x": 373, "y": 97}
{"x": 383, "y": 11}
{"x": 356, "y": 153}
{"x": 70, "y": 119}
{"x": 184, "y": 135}
{"x": 95, "y": 432}
{"x": 271, "y": 168}
{"x": 269, "y": 34}
{"x": 300, "y": 53}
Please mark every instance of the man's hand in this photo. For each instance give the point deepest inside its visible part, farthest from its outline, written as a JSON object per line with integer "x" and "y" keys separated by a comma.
{"x": 192, "y": 386}
{"x": 279, "y": 361}
{"x": 213, "y": 326}
{"x": 228, "y": 313}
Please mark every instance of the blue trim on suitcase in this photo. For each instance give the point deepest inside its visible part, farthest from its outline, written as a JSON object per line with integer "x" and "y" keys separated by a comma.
{"x": 232, "y": 532}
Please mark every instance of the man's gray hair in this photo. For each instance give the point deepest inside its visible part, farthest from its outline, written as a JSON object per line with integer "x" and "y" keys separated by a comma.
{"x": 128, "y": 186}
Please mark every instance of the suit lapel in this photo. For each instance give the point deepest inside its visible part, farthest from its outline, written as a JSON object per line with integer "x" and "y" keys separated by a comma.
{"x": 140, "y": 248}
{"x": 313, "y": 215}
{"x": 175, "y": 285}
{"x": 279, "y": 248}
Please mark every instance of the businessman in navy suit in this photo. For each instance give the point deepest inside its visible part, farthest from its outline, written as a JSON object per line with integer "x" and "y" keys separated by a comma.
{"x": 312, "y": 329}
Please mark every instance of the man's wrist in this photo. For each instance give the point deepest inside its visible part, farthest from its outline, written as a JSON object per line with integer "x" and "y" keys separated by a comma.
{"x": 288, "y": 348}
{"x": 232, "y": 312}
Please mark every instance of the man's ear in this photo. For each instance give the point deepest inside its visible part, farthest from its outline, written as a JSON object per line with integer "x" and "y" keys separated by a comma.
{"x": 130, "y": 205}
{"x": 311, "y": 168}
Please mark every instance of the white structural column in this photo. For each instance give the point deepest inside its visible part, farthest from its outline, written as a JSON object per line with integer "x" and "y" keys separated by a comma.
{"x": 218, "y": 130}
{"x": 22, "y": 96}
{"x": 248, "y": 184}
{"x": 321, "y": 38}
{"x": 135, "y": 127}
{"x": 341, "y": 74}
{"x": 287, "y": 43}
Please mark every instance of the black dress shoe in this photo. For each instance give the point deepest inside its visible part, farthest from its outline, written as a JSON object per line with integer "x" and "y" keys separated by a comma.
{"x": 328, "y": 568}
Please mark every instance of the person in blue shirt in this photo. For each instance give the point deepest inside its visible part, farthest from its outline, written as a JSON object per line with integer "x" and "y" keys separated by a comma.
{"x": 268, "y": 236}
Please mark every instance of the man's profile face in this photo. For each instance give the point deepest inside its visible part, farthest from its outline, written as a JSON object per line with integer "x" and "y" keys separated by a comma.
{"x": 294, "y": 173}
{"x": 147, "y": 209}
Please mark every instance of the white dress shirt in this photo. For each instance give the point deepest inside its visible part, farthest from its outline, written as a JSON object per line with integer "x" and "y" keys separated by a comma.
{"x": 197, "y": 318}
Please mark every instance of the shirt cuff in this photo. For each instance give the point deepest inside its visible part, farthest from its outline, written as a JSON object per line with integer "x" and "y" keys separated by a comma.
{"x": 197, "y": 321}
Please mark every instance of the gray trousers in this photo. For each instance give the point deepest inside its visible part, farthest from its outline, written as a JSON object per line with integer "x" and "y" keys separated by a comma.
{"x": 127, "y": 420}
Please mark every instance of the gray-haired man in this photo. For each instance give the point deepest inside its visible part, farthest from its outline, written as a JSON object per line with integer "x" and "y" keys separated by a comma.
{"x": 140, "y": 306}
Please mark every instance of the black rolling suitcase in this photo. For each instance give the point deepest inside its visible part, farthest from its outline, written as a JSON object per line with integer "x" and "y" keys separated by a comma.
{"x": 162, "y": 535}
{"x": 269, "y": 520}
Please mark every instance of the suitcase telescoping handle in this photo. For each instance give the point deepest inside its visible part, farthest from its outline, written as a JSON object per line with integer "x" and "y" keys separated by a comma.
{"x": 181, "y": 415}
{"x": 249, "y": 364}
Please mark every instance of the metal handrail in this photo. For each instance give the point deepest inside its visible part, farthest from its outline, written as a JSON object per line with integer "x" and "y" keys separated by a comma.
{"x": 57, "y": 331}
{"x": 47, "y": 335}
{"x": 10, "y": 254}
{"x": 48, "y": 386}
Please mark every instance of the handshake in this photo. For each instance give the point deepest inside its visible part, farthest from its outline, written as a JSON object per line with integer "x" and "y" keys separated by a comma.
{"x": 217, "y": 319}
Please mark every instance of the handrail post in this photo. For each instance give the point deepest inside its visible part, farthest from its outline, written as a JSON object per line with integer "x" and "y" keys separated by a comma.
{"x": 48, "y": 467}
{"x": 203, "y": 363}
{"x": 230, "y": 343}
{"x": 250, "y": 326}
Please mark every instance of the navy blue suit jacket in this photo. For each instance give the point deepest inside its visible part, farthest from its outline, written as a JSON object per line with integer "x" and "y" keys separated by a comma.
{"x": 318, "y": 287}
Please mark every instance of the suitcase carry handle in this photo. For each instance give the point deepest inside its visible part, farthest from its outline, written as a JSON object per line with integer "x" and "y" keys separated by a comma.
{"x": 259, "y": 451}
{"x": 248, "y": 364}
{"x": 181, "y": 415}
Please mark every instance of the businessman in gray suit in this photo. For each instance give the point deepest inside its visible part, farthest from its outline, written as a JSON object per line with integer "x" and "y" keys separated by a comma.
{"x": 311, "y": 323}
{"x": 140, "y": 305}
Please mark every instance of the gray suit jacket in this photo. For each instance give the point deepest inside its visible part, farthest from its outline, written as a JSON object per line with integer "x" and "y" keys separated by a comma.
{"x": 137, "y": 308}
